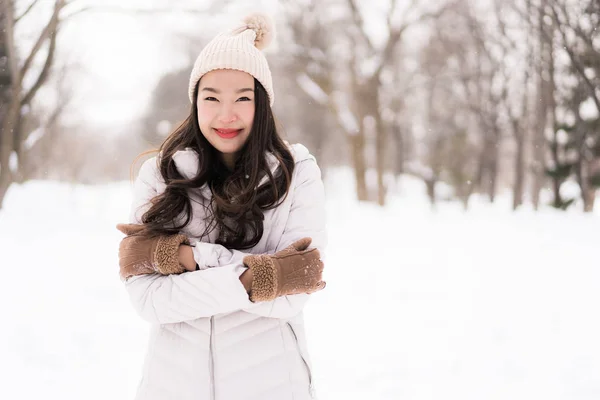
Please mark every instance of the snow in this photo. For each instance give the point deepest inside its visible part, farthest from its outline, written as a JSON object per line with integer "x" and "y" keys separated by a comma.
{"x": 588, "y": 110}
{"x": 312, "y": 89}
{"x": 34, "y": 137}
{"x": 13, "y": 161}
{"x": 345, "y": 116}
{"x": 420, "y": 304}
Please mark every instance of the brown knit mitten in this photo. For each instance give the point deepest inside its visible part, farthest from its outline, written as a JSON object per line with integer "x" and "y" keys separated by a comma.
{"x": 292, "y": 270}
{"x": 140, "y": 255}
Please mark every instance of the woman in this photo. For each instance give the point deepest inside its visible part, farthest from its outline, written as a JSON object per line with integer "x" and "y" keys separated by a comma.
{"x": 224, "y": 240}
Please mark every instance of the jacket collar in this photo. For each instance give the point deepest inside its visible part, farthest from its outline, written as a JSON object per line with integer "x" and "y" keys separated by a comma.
{"x": 187, "y": 161}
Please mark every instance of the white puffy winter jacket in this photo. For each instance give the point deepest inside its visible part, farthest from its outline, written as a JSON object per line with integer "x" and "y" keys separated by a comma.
{"x": 207, "y": 340}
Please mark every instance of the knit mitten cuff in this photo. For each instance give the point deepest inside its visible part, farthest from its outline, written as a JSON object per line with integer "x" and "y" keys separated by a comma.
{"x": 166, "y": 254}
{"x": 264, "y": 277}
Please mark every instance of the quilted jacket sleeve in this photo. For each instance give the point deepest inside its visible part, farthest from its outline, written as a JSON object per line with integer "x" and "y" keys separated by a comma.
{"x": 307, "y": 218}
{"x": 176, "y": 298}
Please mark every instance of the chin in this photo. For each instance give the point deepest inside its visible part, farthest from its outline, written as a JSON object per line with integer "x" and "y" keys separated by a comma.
{"x": 228, "y": 148}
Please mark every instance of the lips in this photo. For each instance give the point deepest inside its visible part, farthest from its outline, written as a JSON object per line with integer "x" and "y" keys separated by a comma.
{"x": 228, "y": 133}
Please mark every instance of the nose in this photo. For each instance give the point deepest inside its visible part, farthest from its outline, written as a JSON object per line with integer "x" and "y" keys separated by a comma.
{"x": 227, "y": 116}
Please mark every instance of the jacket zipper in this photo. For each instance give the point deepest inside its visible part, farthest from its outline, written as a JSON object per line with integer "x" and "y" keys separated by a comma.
{"x": 211, "y": 359}
{"x": 311, "y": 387}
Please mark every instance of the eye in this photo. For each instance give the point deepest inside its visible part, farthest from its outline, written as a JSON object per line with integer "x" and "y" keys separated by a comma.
{"x": 210, "y": 98}
{"x": 244, "y": 99}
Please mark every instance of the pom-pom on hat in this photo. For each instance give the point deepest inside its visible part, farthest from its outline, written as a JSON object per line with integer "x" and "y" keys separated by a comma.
{"x": 239, "y": 49}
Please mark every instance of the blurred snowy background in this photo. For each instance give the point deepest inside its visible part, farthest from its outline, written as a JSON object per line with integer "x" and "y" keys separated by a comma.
{"x": 460, "y": 145}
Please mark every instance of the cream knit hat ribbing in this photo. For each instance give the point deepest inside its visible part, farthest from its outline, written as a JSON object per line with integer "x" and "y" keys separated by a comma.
{"x": 238, "y": 49}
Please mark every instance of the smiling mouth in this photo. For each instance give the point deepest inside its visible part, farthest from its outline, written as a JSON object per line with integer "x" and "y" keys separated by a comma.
{"x": 228, "y": 133}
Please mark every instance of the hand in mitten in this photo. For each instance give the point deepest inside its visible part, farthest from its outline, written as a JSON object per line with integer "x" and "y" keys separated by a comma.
{"x": 292, "y": 270}
{"x": 140, "y": 255}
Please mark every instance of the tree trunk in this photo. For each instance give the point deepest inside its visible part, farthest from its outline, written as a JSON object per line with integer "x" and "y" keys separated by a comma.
{"x": 380, "y": 148}
{"x": 588, "y": 194}
{"x": 589, "y": 200}
{"x": 493, "y": 163}
{"x": 357, "y": 145}
{"x": 7, "y": 146}
{"x": 537, "y": 170}
{"x": 587, "y": 191}
{"x": 556, "y": 181}
{"x": 9, "y": 106}
{"x": 399, "y": 158}
{"x": 369, "y": 104}
{"x": 465, "y": 201}
{"x": 5, "y": 181}
{"x": 477, "y": 182}
{"x": 541, "y": 118}
{"x": 358, "y": 140}
{"x": 520, "y": 128}
{"x": 519, "y": 181}
{"x": 430, "y": 184}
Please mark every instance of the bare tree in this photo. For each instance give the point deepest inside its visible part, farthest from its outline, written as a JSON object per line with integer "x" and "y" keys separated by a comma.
{"x": 18, "y": 65}
{"x": 577, "y": 29}
{"x": 367, "y": 83}
{"x": 448, "y": 116}
{"x": 47, "y": 146}
{"x": 356, "y": 100}
{"x": 306, "y": 77}
{"x": 541, "y": 63}
{"x": 15, "y": 96}
{"x": 570, "y": 28}
{"x": 516, "y": 92}
{"x": 321, "y": 73}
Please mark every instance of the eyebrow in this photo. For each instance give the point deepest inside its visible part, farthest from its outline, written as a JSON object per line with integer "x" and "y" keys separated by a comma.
{"x": 209, "y": 89}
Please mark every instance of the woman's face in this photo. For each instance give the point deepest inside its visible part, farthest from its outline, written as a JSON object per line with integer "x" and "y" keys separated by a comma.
{"x": 226, "y": 110}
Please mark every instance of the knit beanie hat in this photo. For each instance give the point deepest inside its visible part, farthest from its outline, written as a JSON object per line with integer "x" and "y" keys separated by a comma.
{"x": 239, "y": 49}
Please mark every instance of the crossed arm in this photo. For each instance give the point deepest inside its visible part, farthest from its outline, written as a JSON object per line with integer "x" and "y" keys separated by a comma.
{"x": 224, "y": 287}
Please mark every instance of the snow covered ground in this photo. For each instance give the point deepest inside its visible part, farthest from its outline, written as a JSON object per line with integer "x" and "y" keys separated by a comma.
{"x": 420, "y": 304}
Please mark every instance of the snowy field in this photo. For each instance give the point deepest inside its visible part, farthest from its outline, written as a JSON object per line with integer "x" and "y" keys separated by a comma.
{"x": 420, "y": 304}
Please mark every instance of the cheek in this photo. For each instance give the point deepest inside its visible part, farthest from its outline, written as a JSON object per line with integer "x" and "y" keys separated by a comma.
{"x": 248, "y": 115}
{"x": 205, "y": 115}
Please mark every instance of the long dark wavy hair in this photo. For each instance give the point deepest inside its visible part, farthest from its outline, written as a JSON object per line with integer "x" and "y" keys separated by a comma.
{"x": 237, "y": 205}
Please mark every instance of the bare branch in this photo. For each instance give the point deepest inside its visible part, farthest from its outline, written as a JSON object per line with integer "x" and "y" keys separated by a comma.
{"x": 502, "y": 27}
{"x": 478, "y": 35}
{"x": 396, "y": 33}
{"x": 46, "y": 32}
{"x": 33, "y": 3}
{"x": 46, "y": 68}
{"x": 427, "y": 16}
{"x": 576, "y": 27}
{"x": 392, "y": 9}
{"x": 146, "y": 11}
{"x": 360, "y": 24}
{"x": 391, "y": 13}
{"x": 9, "y": 40}
{"x": 575, "y": 60}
